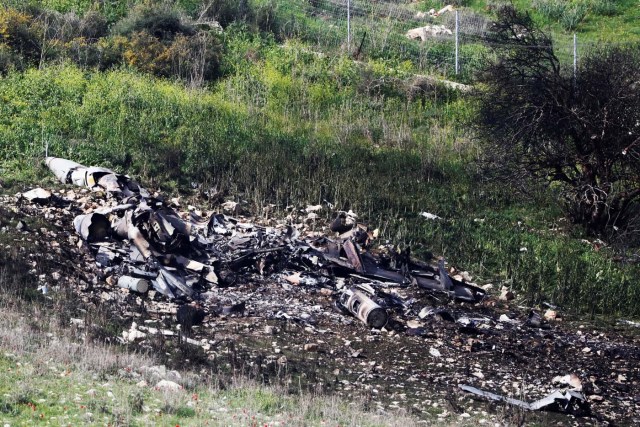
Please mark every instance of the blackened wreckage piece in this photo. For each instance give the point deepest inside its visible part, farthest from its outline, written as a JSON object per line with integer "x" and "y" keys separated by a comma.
{"x": 182, "y": 254}
{"x": 364, "y": 308}
{"x": 569, "y": 401}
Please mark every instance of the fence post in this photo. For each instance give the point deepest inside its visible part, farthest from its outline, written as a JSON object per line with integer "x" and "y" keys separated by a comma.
{"x": 348, "y": 26}
{"x": 457, "y": 26}
{"x": 575, "y": 57}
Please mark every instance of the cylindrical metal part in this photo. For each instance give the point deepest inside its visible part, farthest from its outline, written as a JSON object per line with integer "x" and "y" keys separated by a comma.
{"x": 92, "y": 227}
{"x": 136, "y": 237}
{"x": 133, "y": 283}
{"x": 365, "y": 309}
{"x": 62, "y": 167}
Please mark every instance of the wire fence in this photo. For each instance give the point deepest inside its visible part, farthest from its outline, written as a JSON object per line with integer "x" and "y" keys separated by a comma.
{"x": 452, "y": 43}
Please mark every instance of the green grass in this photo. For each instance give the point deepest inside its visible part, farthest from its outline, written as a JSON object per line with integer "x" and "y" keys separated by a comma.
{"x": 604, "y": 20}
{"x": 291, "y": 132}
{"x": 34, "y": 392}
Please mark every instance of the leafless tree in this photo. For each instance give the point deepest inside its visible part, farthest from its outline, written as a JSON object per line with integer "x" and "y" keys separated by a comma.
{"x": 578, "y": 133}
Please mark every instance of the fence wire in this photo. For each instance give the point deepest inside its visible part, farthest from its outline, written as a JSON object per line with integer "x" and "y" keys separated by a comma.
{"x": 380, "y": 29}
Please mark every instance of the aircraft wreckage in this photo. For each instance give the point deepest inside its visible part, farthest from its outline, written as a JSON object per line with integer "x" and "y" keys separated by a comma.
{"x": 180, "y": 253}
{"x": 143, "y": 242}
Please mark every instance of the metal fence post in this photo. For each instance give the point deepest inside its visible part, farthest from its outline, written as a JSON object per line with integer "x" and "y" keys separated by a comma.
{"x": 575, "y": 57}
{"x": 348, "y": 26}
{"x": 457, "y": 44}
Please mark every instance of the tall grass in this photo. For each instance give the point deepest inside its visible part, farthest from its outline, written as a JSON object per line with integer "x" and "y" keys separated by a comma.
{"x": 572, "y": 13}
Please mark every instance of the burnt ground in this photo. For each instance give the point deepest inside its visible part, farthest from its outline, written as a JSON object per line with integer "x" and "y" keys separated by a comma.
{"x": 294, "y": 334}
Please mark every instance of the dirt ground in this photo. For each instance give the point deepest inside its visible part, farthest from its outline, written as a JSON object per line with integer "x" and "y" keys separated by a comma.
{"x": 294, "y": 333}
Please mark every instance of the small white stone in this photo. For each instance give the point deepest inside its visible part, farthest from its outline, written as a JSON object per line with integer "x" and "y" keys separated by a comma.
{"x": 168, "y": 386}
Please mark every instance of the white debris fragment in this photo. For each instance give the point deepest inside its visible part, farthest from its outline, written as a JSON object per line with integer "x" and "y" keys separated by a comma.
{"x": 37, "y": 195}
{"x": 167, "y": 385}
{"x": 570, "y": 380}
{"x": 313, "y": 208}
{"x": 424, "y": 33}
{"x": 429, "y": 216}
{"x": 506, "y": 319}
{"x": 229, "y": 206}
{"x": 133, "y": 333}
{"x": 506, "y": 294}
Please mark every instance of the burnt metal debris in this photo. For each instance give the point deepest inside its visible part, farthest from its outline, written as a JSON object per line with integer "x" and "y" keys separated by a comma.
{"x": 142, "y": 239}
{"x": 157, "y": 262}
{"x": 570, "y": 401}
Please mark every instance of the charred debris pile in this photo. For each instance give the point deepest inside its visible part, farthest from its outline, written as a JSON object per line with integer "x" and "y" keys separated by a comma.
{"x": 142, "y": 241}
{"x": 199, "y": 265}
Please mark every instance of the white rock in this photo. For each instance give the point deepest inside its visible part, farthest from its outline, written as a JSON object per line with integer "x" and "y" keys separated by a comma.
{"x": 167, "y": 385}
{"x": 313, "y": 208}
{"x": 429, "y": 216}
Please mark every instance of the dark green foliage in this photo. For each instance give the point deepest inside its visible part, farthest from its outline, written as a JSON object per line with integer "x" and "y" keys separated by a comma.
{"x": 229, "y": 11}
{"x": 154, "y": 38}
{"x": 9, "y": 60}
{"x": 93, "y": 26}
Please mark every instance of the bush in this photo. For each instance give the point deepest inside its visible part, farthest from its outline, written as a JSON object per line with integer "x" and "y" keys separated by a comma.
{"x": 161, "y": 21}
{"x": 93, "y": 26}
{"x": 577, "y": 133}
{"x": 147, "y": 54}
{"x": 164, "y": 44}
{"x": 17, "y": 33}
{"x": 9, "y": 60}
{"x": 230, "y": 11}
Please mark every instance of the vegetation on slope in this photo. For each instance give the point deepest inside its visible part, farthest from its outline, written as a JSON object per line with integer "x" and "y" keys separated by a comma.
{"x": 284, "y": 124}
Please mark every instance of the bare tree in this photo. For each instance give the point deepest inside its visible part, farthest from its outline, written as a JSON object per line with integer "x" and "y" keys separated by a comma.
{"x": 579, "y": 133}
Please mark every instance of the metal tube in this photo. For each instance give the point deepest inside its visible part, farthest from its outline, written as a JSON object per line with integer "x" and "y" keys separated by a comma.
{"x": 575, "y": 57}
{"x": 134, "y": 284}
{"x": 364, "y": 308}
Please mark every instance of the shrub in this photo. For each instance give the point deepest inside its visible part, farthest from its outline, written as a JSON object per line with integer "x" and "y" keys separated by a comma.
{"x": 93, "y": 26}
{"x": 9, "y": 60}
{"x": 16, "y": 32}
{"x": 164, "y": 44}
{"x": 578, "y": 133}
{"x": 195, "y": 59}
{"x": 229, "y": 11}
{"x": 158, "y": 20}
{"x": 147, "y": 53}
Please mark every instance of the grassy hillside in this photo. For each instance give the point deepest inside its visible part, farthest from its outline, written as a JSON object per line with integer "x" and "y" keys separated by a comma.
{"x": 286, "y": 124}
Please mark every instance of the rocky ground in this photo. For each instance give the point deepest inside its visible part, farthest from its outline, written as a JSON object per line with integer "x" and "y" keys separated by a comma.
{"x": 279, "y": 325}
